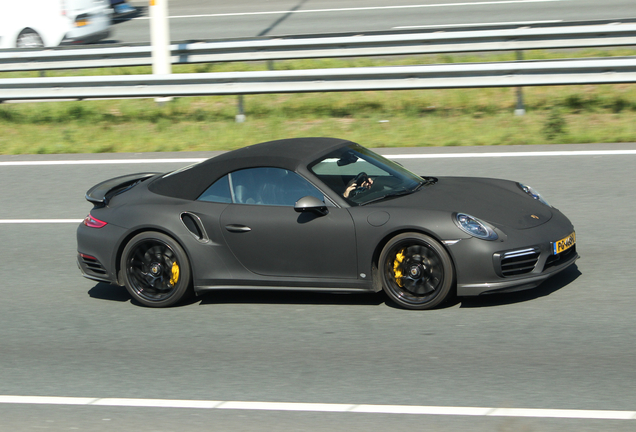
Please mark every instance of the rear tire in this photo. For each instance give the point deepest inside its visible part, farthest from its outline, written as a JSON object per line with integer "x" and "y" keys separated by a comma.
{"x": 29, "y": 38}
{"x": 156, "y": 270}
{"x": 416, "y": 271}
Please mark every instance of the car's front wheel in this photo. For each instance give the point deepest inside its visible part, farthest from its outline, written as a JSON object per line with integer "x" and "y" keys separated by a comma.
{"x": 29, "y": 39}
{"x": 416, "y": 271}
{"x": 156, "y": 270}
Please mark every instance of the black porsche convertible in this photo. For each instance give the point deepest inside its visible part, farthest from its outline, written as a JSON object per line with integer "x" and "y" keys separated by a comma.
{"x": 319, "y": 214}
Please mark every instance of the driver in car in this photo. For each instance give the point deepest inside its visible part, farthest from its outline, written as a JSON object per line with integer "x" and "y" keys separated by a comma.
{"x": 361, "y": 183}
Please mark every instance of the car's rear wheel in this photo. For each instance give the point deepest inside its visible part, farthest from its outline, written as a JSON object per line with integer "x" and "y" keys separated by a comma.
{"x": 416, "y": 271}
{"x": 29, "y": 39}
{"x": 156, "y": 270}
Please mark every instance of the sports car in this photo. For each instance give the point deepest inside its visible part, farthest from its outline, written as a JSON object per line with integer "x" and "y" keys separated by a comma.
{"x": 319, "y": 214}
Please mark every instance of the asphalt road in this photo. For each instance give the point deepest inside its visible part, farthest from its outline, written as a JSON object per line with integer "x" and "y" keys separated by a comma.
{"x": 569, "y": 344}
{"x": 204, "y": 20}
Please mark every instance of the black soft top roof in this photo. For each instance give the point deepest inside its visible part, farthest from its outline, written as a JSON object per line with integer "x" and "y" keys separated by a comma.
{"x": 289, "y": 154}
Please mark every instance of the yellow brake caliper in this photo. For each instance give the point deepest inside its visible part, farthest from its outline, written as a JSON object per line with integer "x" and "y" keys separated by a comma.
{"x": 399, "y": 257}
{"x": 175, "y": 273}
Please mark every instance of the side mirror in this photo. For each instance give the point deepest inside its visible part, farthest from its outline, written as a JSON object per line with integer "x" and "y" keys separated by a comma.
{"x": 311, "y": 204}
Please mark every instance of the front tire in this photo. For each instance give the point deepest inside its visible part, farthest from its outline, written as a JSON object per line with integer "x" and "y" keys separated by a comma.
{"x": 156, "y": 270}
{"x": 29, "y": 39}
{"x": 416, "y": 271}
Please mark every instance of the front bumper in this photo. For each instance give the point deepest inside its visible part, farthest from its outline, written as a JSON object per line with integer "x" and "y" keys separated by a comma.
{"x": 520, "y": 259}
{"x": 528, "y": 281}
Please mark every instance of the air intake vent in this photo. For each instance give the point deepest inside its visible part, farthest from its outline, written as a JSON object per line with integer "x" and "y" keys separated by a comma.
{"x": 519, "y": 262}
{"x": 194, "y": 225}
{"x": 555, "y": 260}
{"x": 91, "y": 265}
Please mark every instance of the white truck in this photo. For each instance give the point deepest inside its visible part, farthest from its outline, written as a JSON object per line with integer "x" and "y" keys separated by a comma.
{"x": 49, "y": 23}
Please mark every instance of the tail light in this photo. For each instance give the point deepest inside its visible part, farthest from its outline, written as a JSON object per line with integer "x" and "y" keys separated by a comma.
{"x": 92, "y": 222}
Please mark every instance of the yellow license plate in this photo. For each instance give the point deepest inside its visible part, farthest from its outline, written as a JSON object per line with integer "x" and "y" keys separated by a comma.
{"x": 564, "y": 244}
{"x": 81, "y": 23}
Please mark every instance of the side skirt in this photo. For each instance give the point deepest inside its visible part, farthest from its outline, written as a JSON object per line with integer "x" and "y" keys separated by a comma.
{"x": 204, "y": 288}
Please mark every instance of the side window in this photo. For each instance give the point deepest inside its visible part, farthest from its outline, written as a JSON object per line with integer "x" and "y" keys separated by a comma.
{"x": 219, "y": 192}
{"x": 270, "y": 186}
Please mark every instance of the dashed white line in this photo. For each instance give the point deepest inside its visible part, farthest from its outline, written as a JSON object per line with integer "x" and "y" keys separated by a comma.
{"x": 356, "y": 9}
{"x": 325, "y": 407}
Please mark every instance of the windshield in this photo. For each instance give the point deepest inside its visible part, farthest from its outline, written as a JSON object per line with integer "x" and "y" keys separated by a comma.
{"x": 361, "y": 176}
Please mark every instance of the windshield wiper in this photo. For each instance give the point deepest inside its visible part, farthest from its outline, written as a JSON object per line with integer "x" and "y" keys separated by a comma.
{"x": 394, "y": 193}
{"x": 429, "y": 181}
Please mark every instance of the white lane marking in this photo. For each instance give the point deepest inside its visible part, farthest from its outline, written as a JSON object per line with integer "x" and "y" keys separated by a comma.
{"x": 513, "y": 154}
{"x": 40, "y": 221}
{"x": 390, "y": 156}
{"x": 325, "y": 407}
{"x": 476, "y": 24}
{"x": 101, "y": 162}
{"x": 47, "y": 400}
{"x": 356, "y": 9}
{"x": 156, "y": 403}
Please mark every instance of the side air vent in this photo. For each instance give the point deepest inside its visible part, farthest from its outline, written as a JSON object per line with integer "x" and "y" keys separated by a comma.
{"x": 519, "y": 262}
{"x": 194, "y": 225}
{"x": 91, "y": 265}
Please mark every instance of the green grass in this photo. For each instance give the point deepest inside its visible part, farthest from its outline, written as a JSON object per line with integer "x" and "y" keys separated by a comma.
{"x": 567, "y": 114}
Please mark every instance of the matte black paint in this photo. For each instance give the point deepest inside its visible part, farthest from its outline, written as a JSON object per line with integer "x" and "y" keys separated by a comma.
{"x": 280, "y": 247}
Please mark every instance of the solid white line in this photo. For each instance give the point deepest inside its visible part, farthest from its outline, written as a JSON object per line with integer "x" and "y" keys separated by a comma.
{"x": 356, "y": 9}
{"x": 325, "y": 407}
{"x": 513, "y": 154}
{"x": 390, "y": 156}
{"x": 286, "y": 406}
{"x": 156, "y": 403}
{"x": 46, "y": 400}
{"x": 40, "y": 221}
{"x": 477, "y": 24}
{"x": 101, "y": 162}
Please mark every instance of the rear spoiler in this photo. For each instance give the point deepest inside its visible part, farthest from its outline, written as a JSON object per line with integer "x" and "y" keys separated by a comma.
{"x": 102, "y": 192}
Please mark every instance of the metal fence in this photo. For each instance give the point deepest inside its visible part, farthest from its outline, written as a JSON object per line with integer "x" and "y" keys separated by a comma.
{"x": 508, "y": 39}
{"x": 468, "y": 75}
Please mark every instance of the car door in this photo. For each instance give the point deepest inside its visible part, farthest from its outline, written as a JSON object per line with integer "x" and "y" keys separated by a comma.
{"x": 270, "y": 238}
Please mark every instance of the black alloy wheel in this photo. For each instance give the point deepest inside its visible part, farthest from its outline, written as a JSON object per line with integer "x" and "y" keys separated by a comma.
{"x": 29, "y": 39}
{"x": 156, "y": 270}
{"x": 416, "y": 271}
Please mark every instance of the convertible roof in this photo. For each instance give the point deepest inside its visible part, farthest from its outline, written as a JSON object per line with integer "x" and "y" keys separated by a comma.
{"x": 286, "y": 153}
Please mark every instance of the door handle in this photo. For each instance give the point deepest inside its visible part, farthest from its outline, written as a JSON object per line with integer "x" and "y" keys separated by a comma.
{"x": 237, "y": 228}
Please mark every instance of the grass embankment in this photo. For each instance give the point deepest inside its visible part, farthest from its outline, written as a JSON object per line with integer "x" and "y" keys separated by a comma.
{"x": 568, "y": 114}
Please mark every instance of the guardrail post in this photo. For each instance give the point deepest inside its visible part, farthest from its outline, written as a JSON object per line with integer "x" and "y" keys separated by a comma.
{"x": 520, "y": 109}
{"x": 240, "y": 117}
{"x": 160, "y": 39}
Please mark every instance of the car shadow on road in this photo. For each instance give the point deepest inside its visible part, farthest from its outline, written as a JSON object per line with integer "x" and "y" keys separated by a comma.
{"x": 553, "y": 284}
{"x": 140, "y": 11}
{"x": 104, "y": 291}
{"x": 248, "y": 296}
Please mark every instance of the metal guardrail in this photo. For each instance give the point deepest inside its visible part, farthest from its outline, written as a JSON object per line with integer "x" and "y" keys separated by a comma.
{"x": 509, "y": 39}
{"x": 468, "y": 75}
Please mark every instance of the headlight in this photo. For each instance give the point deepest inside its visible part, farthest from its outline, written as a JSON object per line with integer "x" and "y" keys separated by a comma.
{"x": 533, "y": 193}
{"x": 475, "y": 227}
